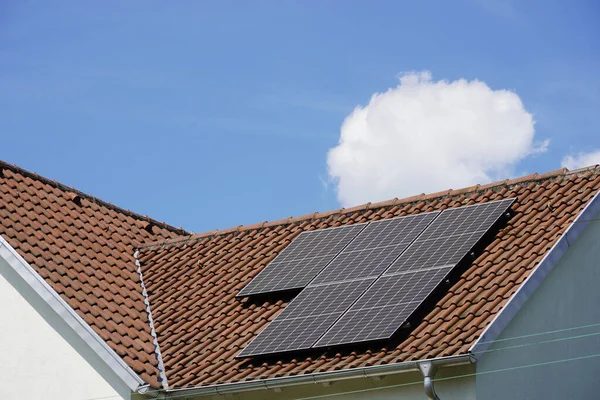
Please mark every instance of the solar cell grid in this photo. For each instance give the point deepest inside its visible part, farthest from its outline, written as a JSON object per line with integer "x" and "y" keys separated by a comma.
{"x": 306, "y": 318}
{"x": 282, "y": 336}
{"x": 450, "y": 237}
{"x": 325, "y": 299}
{"x": 384, "y": 307}
{"x": 466, "y": 219}
{"x": 375, "y": 247}
{"x": 434, "y": 253}
{"x": 359, "y": 264}
{"x": 392, "y": 231}
{"x": 301, "y": 260}
{"x": 365, "y": 325}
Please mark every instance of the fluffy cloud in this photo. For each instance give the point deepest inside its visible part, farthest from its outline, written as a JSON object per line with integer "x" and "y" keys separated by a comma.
{"x": 580, "y": 160}
{"x": 426, "y": 136}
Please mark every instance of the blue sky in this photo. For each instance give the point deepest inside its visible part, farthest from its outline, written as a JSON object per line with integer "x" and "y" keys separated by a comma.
{"x": 214, "y": 114}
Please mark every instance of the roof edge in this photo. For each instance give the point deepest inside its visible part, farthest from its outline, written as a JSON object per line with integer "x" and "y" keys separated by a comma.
{"x": 69, "y": 316}
{"x": 370, "y": 206}
{"x": 318, "y": 377}
{"x": 535, "y": 279}
{"x": 58, "y": 185}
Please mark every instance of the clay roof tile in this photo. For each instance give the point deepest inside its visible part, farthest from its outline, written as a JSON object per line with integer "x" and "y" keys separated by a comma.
{"x": 86, "y": 252}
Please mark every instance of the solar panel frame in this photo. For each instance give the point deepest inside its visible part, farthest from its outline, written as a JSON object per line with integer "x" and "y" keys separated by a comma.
{"x": 302, "y": 260}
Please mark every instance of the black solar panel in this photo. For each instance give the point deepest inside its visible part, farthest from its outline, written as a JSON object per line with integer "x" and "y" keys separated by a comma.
{"x": 302, "y": 260}
{"x": 306, "y": 318}
{"x": 394, "y": 297}
{"x": 374, "y": 249}
{"x": 384, "y": 307}
{"x": 434, "y": 253}
{"x": 374, "y": 278}
{"x": 467, "y": 219}
{"x": 450, "y": 237}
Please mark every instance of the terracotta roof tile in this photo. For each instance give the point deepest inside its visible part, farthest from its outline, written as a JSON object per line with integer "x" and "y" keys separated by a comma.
{"x": 84, "y": 248}
{"x": 201, "y": 326}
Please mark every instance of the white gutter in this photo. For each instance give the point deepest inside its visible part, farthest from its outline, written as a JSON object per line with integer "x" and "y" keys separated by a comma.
{"x": 526, "y": 290}
{"x": 325, "y": 378}
{"x": 12, "y": 259}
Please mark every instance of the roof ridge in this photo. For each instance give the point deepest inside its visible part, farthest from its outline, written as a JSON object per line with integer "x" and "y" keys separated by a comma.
{"x": 96, "y": 200}
{"x": 562, "y": 172}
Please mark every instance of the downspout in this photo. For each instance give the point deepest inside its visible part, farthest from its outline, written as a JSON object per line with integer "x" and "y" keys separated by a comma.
{"x": 428, "y": 370}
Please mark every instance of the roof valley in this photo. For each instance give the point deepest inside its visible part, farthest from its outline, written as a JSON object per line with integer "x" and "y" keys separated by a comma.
{"x": 161, "y": 366}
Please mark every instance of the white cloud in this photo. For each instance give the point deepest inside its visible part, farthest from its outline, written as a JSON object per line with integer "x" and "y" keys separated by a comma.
{"x": 580, "y": 160}
{"x": 426, "y": 136}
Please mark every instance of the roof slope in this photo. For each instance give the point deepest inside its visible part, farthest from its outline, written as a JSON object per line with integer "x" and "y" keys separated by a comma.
{"x": 83, "y": 248}
{"x": 201, "y": 326}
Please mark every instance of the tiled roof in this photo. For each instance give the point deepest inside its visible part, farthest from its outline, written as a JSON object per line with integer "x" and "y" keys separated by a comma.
{"x": 201, "y": 326}
{"x": 83, "y": 247}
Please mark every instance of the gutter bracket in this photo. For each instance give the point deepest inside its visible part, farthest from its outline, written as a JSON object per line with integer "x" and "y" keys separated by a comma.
{"x": 428, "y": 369}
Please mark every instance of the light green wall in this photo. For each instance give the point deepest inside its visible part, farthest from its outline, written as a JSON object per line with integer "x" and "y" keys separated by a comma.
{"x": 568, "y": 297}
{"x": 405, "y": 386}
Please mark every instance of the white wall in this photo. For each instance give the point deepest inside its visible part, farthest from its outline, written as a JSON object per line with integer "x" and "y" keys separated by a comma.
{"x": 405, "y": 386}
{"x": 40, "y": 356}
{"x": 569, "y": 297}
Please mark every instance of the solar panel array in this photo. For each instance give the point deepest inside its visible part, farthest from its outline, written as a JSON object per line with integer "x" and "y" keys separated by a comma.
{"x": 340, "y": 284}
{"x": 375, "y": 281}
{"x": 403, "y": 287}
{"x": 302, "y": 260}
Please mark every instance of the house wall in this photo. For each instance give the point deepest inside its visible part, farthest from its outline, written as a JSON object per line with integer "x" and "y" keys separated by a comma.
{"x": 40, "y": 356}
{"x": 458, "y": 384}
{"x": 569, "y": 297}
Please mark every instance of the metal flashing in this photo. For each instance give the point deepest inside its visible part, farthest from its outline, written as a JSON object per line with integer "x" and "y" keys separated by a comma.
{"x": 161, "y": 365}
{"x": 69, "y": 316}
{"x": 527, "y": 288}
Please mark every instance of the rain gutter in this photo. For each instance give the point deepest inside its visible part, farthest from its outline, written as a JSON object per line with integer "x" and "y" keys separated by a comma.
{"x": 325, "y": 378}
